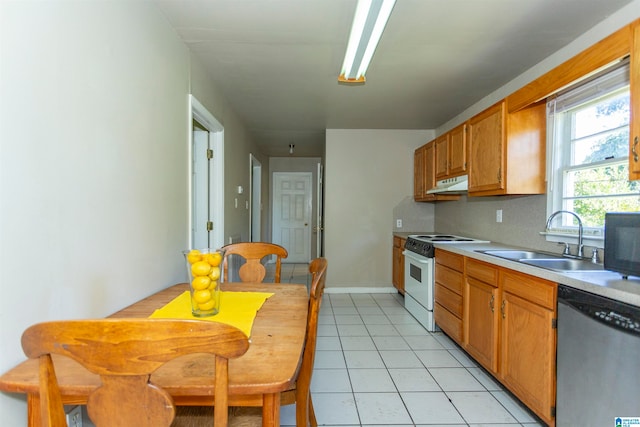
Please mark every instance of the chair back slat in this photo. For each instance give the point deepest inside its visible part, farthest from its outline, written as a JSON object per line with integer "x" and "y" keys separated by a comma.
{"x": 253, "y": 252}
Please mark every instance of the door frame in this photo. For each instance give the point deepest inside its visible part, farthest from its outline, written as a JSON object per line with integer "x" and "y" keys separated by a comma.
{"x": 198, "y": 112}
{"x": 320, "y": 210}
{"x": 255, "y": 199}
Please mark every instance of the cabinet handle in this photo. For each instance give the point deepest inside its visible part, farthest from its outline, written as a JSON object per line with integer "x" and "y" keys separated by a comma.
{"x": 633, "y": 149}
{"x": 491, "y": 303}
{"x": 502, "y": 308}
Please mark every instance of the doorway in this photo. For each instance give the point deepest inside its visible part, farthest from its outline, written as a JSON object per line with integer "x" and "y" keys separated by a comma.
{"x": 292, "y": 207}
{"x": 206, "y": 178}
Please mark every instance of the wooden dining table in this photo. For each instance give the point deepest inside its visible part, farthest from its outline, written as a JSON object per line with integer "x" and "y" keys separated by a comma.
{"x": 269, "y": 367}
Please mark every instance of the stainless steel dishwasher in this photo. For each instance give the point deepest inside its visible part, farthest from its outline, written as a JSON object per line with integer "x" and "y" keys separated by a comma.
{"x": 598, "y": 360}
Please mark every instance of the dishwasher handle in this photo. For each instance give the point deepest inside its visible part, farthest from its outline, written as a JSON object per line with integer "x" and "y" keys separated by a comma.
{"x": 614, "y": 314}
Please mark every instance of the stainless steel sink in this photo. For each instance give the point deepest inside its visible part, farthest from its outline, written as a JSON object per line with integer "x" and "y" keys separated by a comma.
{"x": 520, "y": 255}
{"x": 546, "y": 260}
{"x": 564, "y": 264}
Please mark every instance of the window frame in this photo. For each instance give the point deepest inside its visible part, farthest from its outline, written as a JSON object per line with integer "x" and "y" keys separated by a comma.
{"x": 557, "y": 169}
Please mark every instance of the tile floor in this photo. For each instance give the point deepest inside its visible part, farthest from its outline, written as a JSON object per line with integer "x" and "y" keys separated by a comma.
{"x": 376, "y": 365}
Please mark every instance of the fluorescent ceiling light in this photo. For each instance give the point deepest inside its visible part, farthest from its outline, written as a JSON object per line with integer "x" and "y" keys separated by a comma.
{"x": 368, "y": 24}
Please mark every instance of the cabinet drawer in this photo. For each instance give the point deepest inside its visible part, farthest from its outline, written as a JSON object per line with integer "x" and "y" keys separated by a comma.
{"x": 451, "y": 260}
{"x": 532, "y": 289}
{"x": 484, "y": 272}
{"x": 398, "y": 242}
{"x": 449, "y": 323}
{"x": 449, "y": 278}
{"x": 448, "y": 299}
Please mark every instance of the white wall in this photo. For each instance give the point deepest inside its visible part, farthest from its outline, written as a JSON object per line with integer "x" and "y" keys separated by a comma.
{"x": 237, "y": 147}
{"x": 93, "y": 162}
{"x": 367, "y": 174}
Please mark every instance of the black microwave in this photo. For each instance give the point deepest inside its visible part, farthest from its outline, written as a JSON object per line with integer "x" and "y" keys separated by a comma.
{"x": 622, "y": 243}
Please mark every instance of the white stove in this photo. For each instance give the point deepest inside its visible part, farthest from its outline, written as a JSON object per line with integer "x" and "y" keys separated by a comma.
{"x": 419, "y": 273}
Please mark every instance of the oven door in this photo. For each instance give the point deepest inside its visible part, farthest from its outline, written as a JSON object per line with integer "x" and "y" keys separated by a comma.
{"x": 418, "y": 278}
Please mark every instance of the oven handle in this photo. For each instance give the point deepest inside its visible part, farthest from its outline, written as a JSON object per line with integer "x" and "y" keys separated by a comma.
{"x": 416, "y": 258}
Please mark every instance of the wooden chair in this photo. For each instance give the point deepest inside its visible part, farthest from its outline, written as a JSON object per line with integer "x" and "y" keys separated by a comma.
{"x": 124, "y": 352}
{"x": 251, "y": 414}
{"x": 253, "y": 252}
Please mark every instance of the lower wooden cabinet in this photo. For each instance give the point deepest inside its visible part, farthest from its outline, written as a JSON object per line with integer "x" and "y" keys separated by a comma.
{"x": 481, "y": 322}
{"x": 528, "y": 341}
{"x": 508, "y": 326}
{"x": 448, "y": 307}
{"x": 398, "y": 264}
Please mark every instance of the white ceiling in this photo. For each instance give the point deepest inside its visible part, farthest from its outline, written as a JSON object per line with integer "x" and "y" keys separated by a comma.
{"x": 277, "y": 61}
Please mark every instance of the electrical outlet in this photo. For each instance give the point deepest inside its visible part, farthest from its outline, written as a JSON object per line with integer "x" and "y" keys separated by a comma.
{"x": 499, "y": 215}
{"x": 74, "y": 416}
{"x": 398, "y": 223}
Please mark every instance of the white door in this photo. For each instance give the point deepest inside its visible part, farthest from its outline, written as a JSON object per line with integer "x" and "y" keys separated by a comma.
{"x": 206, "y": 179}
{"x": 292, "y": 202}
{"x": 200, "y": 218}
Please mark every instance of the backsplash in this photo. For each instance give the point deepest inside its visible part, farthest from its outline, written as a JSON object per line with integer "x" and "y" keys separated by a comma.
{"x": 523, "y": 218}
{"x": 418, "y": 217}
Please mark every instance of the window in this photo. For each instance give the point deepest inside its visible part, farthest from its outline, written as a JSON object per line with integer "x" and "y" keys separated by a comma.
{"x": 588, "y": 155}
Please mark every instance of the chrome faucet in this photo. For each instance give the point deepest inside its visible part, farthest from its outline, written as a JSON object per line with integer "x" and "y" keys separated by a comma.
{"x": 556, "y": 213}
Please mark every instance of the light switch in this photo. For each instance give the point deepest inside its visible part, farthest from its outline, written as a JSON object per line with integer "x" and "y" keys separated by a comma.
{"x": 499, "y": 215}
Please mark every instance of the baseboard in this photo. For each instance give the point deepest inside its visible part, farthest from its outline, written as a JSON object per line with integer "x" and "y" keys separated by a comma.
{"x": 360, "y": 290}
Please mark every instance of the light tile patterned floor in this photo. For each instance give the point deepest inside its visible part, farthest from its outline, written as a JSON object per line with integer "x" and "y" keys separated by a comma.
{"x": 375, "y": 365}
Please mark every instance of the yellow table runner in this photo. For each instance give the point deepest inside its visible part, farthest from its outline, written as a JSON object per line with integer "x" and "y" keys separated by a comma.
{"x": 237, "y": 309}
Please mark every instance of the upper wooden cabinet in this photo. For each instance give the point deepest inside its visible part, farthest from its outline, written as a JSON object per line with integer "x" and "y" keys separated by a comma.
{"x": 424, "y": 177}
{"x": 419, "y": 174}
{"x": 451, "y": 153}
{"x": 442, "y": 156}
{"x": 458, "y": 150}
{"x": 507, "y": 151}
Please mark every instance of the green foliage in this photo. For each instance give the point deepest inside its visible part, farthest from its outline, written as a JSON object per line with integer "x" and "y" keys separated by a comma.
{"x": 605, "y": 181}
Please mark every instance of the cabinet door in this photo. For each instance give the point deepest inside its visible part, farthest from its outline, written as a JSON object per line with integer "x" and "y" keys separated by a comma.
{"x": 528, "y": 343}
{"x": 481, "y": 322}
{"x": 486, "y": 149}
{"x": 634, "y": 134}
{"x": 398, "y": 264}
{"x": 418, "y": 173}
{"x": 429, "y": 167}
{"x": 458, "y": 150}
{"x": 442, "y": 156}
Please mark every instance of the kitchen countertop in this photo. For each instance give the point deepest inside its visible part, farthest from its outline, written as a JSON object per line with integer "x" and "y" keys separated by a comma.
{"x": 604, "y": 283}
{"x": 405, "y": 234}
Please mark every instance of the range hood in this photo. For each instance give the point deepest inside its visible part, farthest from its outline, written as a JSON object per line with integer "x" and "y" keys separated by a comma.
{"x": 455, "y": 185}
